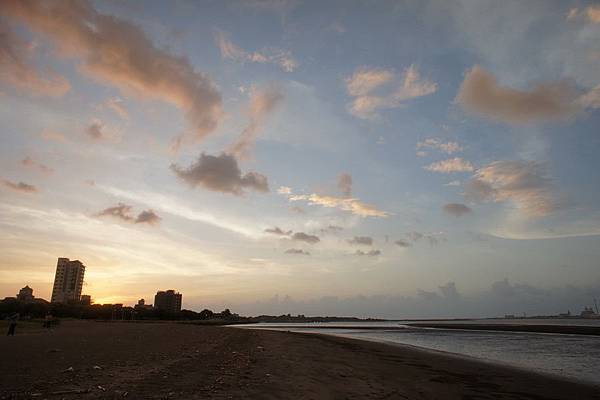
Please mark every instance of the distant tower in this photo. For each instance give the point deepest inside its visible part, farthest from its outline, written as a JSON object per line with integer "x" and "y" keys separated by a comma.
{"x": 25, "y": 294}
{"x": 68, "y": 281}
{"x": 169, "y": 301}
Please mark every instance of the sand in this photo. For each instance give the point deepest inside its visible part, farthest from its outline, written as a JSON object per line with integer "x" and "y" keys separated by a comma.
{"x": 82, "y": 359}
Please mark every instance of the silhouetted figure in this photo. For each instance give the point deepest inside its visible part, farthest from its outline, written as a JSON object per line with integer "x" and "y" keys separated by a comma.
{"x": 12, "y": 324}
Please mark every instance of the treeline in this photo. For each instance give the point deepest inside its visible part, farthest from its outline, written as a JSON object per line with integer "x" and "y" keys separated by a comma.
{"x": 41, "y": 308}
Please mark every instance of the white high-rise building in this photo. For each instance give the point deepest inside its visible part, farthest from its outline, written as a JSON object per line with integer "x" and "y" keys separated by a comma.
{"x": 68, "y": 281}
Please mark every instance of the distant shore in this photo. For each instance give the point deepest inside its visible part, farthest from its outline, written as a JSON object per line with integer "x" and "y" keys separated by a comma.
{"x": 561, "y": 329}
{"x": 85, "y": 359}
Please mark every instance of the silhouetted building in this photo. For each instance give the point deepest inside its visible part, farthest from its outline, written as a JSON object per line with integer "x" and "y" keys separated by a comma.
{"x": 169, "y": 301}
{"x": 141, "y": 305}
{"x": 25, "y": 294}
{"x": 68, "y": 281}
{"x": 86, "y": 300}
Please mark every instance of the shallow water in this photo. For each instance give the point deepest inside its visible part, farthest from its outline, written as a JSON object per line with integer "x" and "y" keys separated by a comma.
{"x": 573, "y": 356}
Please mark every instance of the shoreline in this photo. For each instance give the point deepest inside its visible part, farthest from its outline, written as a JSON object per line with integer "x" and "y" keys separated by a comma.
{"x": 81, "y": 359}
{"x": 435, "y": 352}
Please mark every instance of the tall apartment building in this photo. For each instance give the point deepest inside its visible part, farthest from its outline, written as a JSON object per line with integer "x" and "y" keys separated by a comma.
{"x": 169, "y": 301}
{"x": 68, "y": 281}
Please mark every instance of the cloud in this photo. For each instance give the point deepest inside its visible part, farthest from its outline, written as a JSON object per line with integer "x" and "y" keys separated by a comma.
{"x": 591, "y": 99}
{"x": 455, "y": 164}
{"x": 355, "y": 206}
{"x": 591, "y": 13}
{"x": 21, "y": 187}
{"x": 278, "y": 231}
{"x": 297, "y": 251}
{"x": 30, "y": 163}
{"x": 361, "y": 240}
{"x": 120, "y": 211}
{"x": 370, "y": 253}
{"x": 452, "y": 183}
{"x": 303, "y": 237}
{"x": 117, "y": 52}
{"x": 16, "y": 69}
{"x": 438, "y": 144}
{"x": 481, "y": 94}
{"x": 365, "y": 80}
{"x": 51, "y": 135}
{"x": 366, "y": 87}
{"x": 123, "y": 212}
{"x": 441, "y": 301}
{"x": 344, "y": 184}
{"x": 116, "y": 105}
{"x": 262, "y": 103}
{"x": 432, "y": 238}
{"x": 221, "y": 174}
{"x": 97, "y": 131}
{"x": 524, "y": 183}
{"x": 402, "y": 243}
{"x": 147, "y": 217}
{"x": 298, "y": 210}
{"x": 284, "y": 190}
{"x": 332, "y": 229}
{"x": 456, "y": 209}
{"x": 230, "y": 50}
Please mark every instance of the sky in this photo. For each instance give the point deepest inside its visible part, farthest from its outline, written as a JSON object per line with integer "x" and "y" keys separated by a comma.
{"x": 368, "y": 158}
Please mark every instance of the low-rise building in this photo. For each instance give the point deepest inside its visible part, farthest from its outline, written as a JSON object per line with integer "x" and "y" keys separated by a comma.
{"x": 25, "y": 294}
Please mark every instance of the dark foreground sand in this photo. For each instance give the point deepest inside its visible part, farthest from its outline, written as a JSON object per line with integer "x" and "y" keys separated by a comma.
{"x": 160, "y": 361}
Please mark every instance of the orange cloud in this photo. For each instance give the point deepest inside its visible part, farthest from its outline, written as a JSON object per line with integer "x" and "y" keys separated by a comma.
{"x": 16, "y": 70}
{"x": 119, "y": 53}
{"x": 363, "y": 85}
{"x": 262, "y": 103}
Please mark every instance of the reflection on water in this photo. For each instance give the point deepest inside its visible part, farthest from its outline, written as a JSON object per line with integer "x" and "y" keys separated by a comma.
{"x": 574, "y": 356}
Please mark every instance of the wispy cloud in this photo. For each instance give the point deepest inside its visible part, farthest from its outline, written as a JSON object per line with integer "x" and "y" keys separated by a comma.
{"x": 525, "y": 183}
{"x": 352, "y": 205}
{"x": 455, "y": 164}
{"x": 18, "y": 71}
{"x": 230, "y": 50}
{"x": 173, "y": 206}
{"x": 262, "y": 103}
{"x": 20, "y": 187}
{"x": 438, "y": 144}
{"x": 278, "y": 231}
{"x": 124, "y": 213}
{"x": 30, "y": 163}
{"x": 367, "y": 85}
{"x": 297, "y": 251}
{"x": 53, "y": 135}
{"x": 116, "y": 105}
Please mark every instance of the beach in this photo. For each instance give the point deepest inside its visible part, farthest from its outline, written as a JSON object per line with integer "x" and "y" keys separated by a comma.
{"x": 86, "y": 359}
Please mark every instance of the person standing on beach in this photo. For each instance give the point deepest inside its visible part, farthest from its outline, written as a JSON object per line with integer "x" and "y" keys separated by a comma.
{"x": 12, "y": 325}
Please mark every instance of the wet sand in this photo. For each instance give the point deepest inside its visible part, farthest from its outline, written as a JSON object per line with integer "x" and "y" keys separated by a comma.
{"x": 82, "y": 359}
